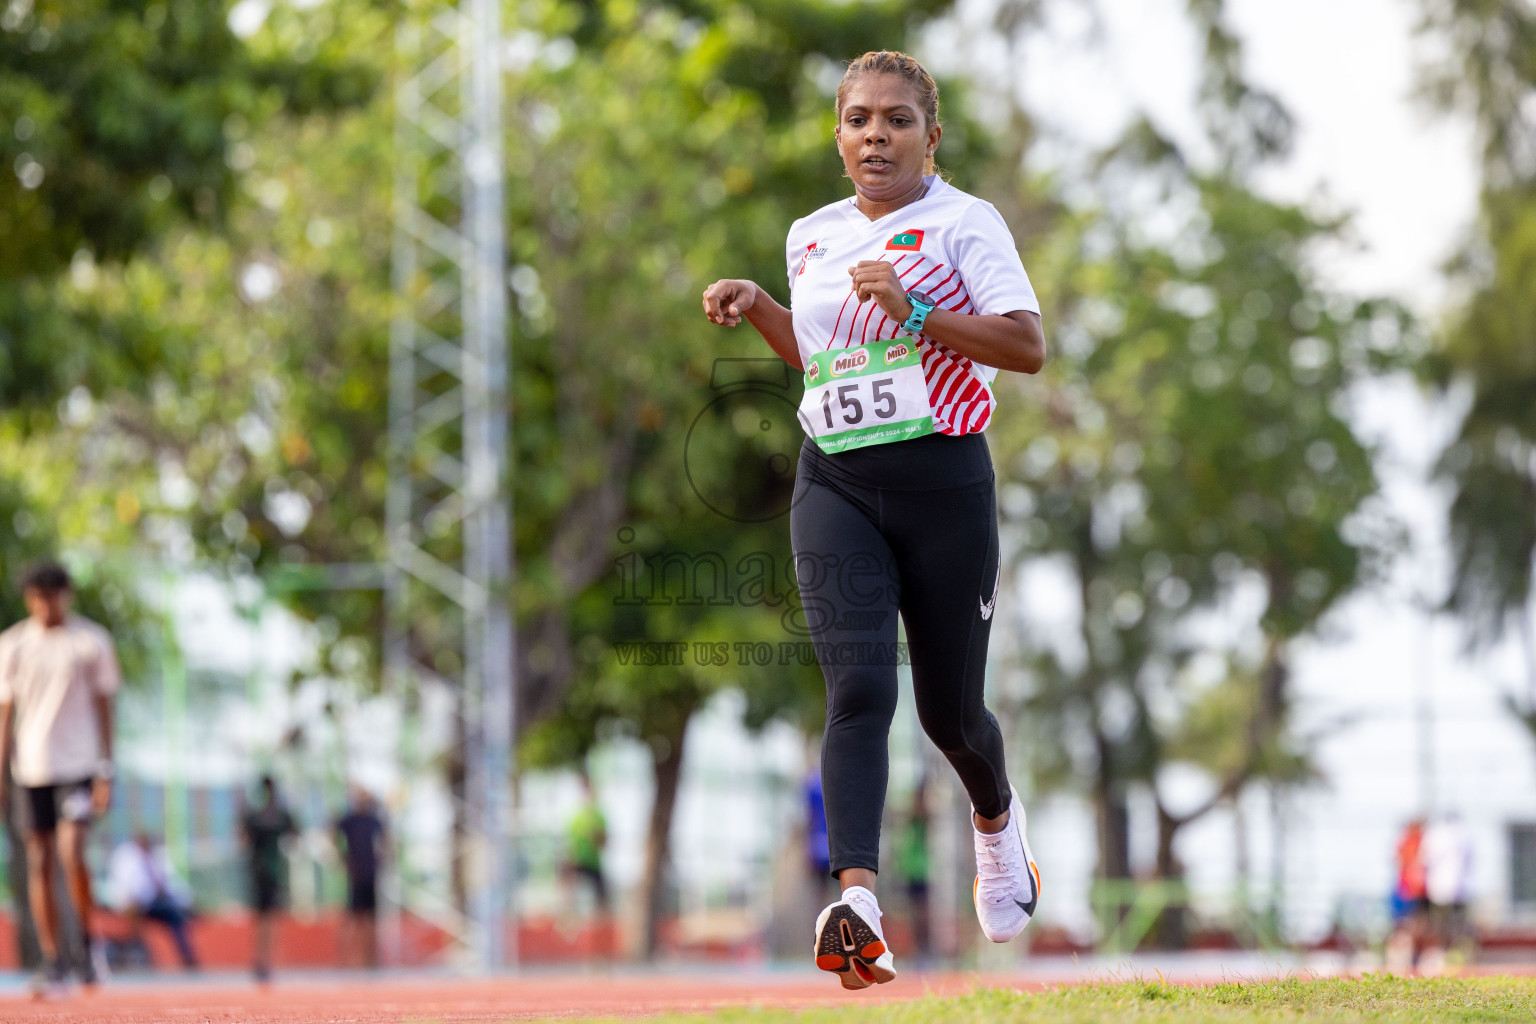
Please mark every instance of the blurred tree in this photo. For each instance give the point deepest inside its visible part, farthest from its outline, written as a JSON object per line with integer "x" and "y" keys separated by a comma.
{"x": 1183, "y": 473}
{"x": 1485, "y": 354}
{"x": 121, "y": 124}
{"x": 119, "y": 120}
{"x": 116, "y": 121}
{"x": 112, "y": 128}
{"x": 628, "y": 419}
{"x": 105, "y": 594}
{"x": 651, "y": 149}
{"x": 239, "y": 378}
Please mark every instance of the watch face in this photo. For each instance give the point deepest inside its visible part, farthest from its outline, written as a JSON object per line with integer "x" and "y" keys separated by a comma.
{"x": 922, "y": 297}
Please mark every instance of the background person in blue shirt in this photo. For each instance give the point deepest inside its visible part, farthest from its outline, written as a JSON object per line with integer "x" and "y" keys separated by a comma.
{"x": 363, "y": 840}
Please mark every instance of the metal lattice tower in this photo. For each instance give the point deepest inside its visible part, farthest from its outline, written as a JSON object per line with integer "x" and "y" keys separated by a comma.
{"x": 449, "y": 509}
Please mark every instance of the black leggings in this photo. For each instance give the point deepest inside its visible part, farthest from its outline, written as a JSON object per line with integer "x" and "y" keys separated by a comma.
{"x": 912, "y": 527}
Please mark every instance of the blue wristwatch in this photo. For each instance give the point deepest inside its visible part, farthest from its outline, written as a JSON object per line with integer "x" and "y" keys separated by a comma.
{"x": 922, "y": 305}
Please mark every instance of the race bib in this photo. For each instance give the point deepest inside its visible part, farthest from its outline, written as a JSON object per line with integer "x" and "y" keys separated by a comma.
{"x": 873, "y": 394}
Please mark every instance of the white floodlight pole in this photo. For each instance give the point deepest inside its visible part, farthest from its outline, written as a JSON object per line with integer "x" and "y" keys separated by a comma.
{"x": 449, "y": 515}
{"x": 487, "y": 426}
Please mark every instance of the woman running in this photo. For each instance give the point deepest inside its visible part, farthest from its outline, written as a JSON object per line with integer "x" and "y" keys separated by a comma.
{"x": 906, "y": 299}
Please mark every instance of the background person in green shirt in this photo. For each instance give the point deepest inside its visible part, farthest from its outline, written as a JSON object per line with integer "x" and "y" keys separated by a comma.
{"x": 587, "y": 835}
{"x": 912, "y": 866}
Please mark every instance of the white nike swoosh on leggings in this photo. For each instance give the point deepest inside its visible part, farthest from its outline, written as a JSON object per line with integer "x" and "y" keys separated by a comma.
{"x": 986, "y": 606}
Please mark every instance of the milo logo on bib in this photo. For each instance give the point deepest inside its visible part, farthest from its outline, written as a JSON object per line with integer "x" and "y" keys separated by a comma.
{"x": 896, "y": 353}
{"x": 850, "y": 362}
{"x": 813, "y": 373}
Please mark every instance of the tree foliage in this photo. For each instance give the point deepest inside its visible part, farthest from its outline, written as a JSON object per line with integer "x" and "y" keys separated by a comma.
{"x": 195, "y": 298}
{"x": 117, "y": 125}
{"x": 1184, "y": 475}
{"x": 674, "y": 149}
{"x": 122, "y": 120}
{"x": 1185, "y": 460}
{"x": 1489, "y": 71}
{"x": 236, "y": 417}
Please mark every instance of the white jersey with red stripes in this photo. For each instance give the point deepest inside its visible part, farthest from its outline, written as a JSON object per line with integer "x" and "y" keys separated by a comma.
{"x": 949, "y": 245}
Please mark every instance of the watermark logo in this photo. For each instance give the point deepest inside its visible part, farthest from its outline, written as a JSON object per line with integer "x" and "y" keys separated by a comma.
{"x": 836, "y": 607}
{"x": 815, "y": 591}
{"x": 741, "y": 449}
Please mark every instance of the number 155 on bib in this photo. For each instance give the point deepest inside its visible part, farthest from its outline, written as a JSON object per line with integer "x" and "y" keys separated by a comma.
{"x": 872, "y": 394}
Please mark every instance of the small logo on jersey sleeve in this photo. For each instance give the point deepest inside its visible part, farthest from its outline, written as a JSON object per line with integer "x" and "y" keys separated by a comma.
{"x": 910, "y": 241}
{"x": 814, "y": 251}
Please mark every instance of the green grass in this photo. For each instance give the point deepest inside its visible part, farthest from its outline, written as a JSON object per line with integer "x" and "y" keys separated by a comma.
{"x": 1369, "y": 999}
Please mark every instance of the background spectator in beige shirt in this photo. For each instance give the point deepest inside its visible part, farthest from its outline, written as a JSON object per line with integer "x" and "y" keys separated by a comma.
{"x": 58, "y": 677}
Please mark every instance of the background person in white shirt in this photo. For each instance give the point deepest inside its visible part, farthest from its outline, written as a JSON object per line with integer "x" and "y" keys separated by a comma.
{"x": 1447, "y": 853}
{"x": 58, "y": 677}
{"x": 145, "y": 887}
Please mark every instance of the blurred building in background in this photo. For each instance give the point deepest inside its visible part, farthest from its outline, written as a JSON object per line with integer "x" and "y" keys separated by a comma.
{"x": 236, "y": 423}
{"x": 1396, "y": 704}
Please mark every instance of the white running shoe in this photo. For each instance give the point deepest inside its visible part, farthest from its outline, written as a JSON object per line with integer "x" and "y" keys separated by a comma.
{"x": 849, "y": 942}
{"x": 1007, "y": 881}
{"x": 95, "y": 969}
{"x": 50, "y": 981}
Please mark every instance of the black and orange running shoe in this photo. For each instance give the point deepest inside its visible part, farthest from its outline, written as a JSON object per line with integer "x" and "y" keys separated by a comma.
{"x": 849, "y": 942}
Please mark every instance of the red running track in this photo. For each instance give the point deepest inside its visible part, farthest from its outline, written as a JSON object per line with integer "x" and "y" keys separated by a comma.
{"x": 388, "y": 1001}
{"x": 399, "y": 999}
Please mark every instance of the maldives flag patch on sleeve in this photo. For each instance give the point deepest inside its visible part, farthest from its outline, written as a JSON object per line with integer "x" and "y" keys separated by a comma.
{"x": 911, "y": 241}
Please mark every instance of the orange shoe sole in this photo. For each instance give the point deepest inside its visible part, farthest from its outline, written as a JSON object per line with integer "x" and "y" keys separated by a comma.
{"x": 844, "y": 946}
